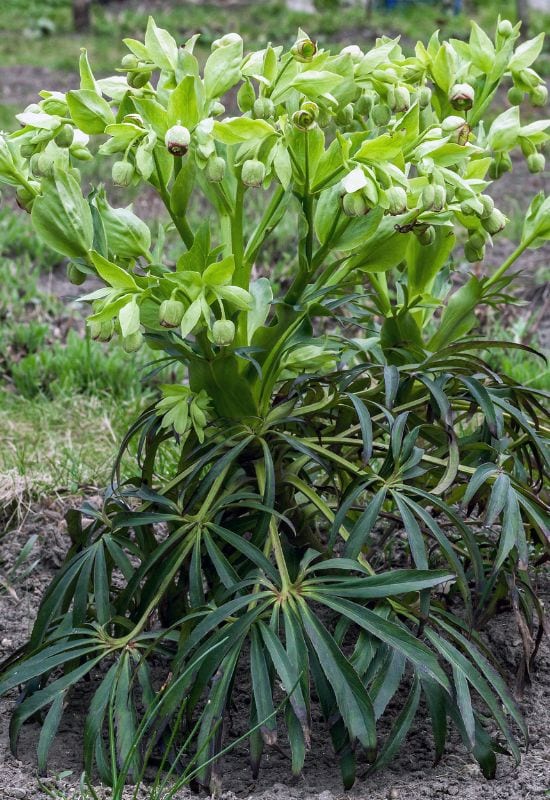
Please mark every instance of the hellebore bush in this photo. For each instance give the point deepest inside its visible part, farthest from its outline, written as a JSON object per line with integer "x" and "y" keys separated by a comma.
{"x": 357, "y": 490}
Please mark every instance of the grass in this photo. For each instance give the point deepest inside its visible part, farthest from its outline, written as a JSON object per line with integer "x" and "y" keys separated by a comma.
{"x": 48, "y": 26}
{"x": 59, "y": 446}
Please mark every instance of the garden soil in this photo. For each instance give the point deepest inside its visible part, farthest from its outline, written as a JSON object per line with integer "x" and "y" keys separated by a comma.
{"x": 410, "y": 777}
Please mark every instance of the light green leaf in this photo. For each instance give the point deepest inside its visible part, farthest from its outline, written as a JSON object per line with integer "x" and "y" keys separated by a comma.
{"x": 62, "y": 217}
{"x": 241, "y": 129}
{"x": 111, "y": 273}
{"x": 161, "y": 46}
{"x": 89, "y": 111}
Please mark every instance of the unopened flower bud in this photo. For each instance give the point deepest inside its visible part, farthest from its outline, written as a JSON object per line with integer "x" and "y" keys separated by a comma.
{"x": 75, "y": 275}
{"x": 500, "y": 164}
{"x": 226, "y": 40}
{"x": 171, "y": 313}
{"x": 215, "y": 169}
{"x": 354, "y": 204}
{"x": 427, "y": 197}
{"x": 354, "y": 51}
{"x": 488, "y": 205}
{"x": 81, "y": 153}
{"x": 264, "y": 108}
{"x": 402, "y": 99}
{"x": 102, "y": 331}
{"x": 424, "y": 96}
{"x": 440, "y": 197}
{"x": 536, "y": 162}
{"x": 122, "y": 173}
{"x": 462, "y": 96}
{"x": 473, "y": 254}
{"x": 137, "y": 80}
{"x": 456, "y": 129}
{"x": 177, "y": 140}
{"x": 515, "y": 95}
{"x": 381, "y": 114}
{"x": 65, "y": 136}
{"x": 505, "y": 28}
{"x": 476, "y": 239}
{"x": 253, "y": 173}
{"x": 344, "y": 115}
{"x": 495, "y": 222}
{"x": 365, "y": 103}
{"x": 132, "y": 342}
{"x": 539, "y": 95}
{"x": 223, "y": 332}
{"x": 217, "y": 108}
{"x": 27, "y": 150}
{"x": 129, "y": 61}
{"x": 397, "y": 200}
{"x": 425, "y": 234}
{"x": 304, "y": 50}
{"x": 43, "y": 163}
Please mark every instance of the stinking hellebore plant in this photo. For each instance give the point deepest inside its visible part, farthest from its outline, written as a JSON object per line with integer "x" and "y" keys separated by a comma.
{"x": 356, "y": 490}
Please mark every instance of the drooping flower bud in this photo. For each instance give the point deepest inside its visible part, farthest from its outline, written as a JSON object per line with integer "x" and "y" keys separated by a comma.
{"x": 488, "y": 205}
{"x": 461, "y": 96}
{"x": 264, "y": 108}
{"x": 65, "y": 136}
{"x": 24, "y": 199}
{"x": 226, "y": 40}
{"x": 137, "y": 80}
{"x": 472, "y": 253}
{"x": 354, "y": 204}
{"x": 427, "y": 197}
{"x": 396, "y": 197}
{"x": 223, "y": 332}
{"x": 424, "y": 96}
{"x": 500, "y": 164}
{"x": 515, "y": 95}
{"x": 365, "y": 103}
{"x": 27, "y": 150}
{"x": 505, "y": 28}
{"x": 177, "y": 140}
{"x": 253, "y": 173}
{"x": 536, "y": 163}
{"x": 75, "y": 275}
{"x": 425, "y": 234}
{"x": 476, "y": 239}
{"x": 171, "y": 313}
{"x": 440, "y": 197}
{"x": 354, "y": 51}
{"x": 456, "y": 129}
{"x": 102, "y": 331}
{"x": 539, "y": 95}
{"x": 495, "y": 222}
{"x": 217, "y": 108}
{"x": 122, "y": 173}
{"x": 132, "y": 342}
{"x": 215, "y": 169}
{"x": 344, "y": 115}
{"x": 381, "y": 114}
{"x": 304, "y": 49}
{"x": 402, "y": 99}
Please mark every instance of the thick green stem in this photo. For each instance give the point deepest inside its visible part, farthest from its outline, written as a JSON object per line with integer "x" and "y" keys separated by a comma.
{"x": 182, "y": 226}
{"x": 241, "y": 277}
{"x": 510, "y": 260}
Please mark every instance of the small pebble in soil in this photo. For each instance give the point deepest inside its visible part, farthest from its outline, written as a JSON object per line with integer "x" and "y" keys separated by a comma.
{"x": 393, "y": 794}
{"x": 16, "y": 792}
